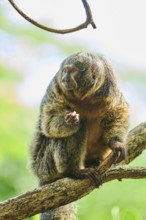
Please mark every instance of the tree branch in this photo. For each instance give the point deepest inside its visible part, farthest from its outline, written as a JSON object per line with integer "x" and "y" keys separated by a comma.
{"x": 68, "y": 190}
{"x": 89, "y": 20}
{"x": 52, "y": 195}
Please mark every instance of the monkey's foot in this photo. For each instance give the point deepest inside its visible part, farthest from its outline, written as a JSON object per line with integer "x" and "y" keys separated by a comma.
{"x": 91, "y": 173}
{"x": 72, "y": 118}
{"x": 119, "y": 149}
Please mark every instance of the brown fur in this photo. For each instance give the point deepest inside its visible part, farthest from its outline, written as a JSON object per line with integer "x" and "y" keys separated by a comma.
{"x": 65, "y": 145}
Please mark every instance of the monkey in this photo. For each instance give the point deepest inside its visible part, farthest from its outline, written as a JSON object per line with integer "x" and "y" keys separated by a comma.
{"x": 83, "y": 118}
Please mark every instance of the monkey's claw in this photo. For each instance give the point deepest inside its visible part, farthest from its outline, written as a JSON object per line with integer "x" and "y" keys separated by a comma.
{"x": 95, "y": 177}
{"x": 90, "y": 173}
{"x": 121, "y": 152}
{"x": 72, "y": 118}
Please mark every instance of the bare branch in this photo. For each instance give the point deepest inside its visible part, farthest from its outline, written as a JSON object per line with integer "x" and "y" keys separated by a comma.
{"x": 136, "y": 142}
{"x": 89, "y": 20}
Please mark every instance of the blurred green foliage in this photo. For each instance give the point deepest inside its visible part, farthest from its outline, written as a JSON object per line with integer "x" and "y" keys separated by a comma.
{"x": 16, "y": 123}
{"x": 113, "y": 201}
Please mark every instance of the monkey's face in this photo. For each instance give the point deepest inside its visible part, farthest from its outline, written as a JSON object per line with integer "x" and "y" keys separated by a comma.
{"x": 82, "y": 75}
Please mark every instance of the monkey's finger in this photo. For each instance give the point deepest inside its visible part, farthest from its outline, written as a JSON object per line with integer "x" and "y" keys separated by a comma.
{"x": 68, "y": 115}
{"x": 89, "y": 173}
{"x": 72, "y": 118}
{"x": 123, "y": 155}
{"x": 95, "y": 177}
{"x": 71, "y": 115}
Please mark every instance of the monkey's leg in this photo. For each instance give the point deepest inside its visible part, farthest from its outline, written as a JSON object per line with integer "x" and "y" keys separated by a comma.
{"x": 114, "y": 129}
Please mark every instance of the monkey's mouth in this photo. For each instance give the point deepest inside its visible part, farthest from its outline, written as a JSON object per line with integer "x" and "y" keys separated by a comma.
{"x": 67, "y": 86}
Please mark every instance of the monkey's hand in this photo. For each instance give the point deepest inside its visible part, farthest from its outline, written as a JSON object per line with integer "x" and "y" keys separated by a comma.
{"x": 72, "y": 118}
{"x": 120, "y": 149}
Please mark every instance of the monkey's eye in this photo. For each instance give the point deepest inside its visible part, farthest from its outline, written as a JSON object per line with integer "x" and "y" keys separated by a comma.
{"x": 69, "y": 69}
{"x": 94, "y": 76}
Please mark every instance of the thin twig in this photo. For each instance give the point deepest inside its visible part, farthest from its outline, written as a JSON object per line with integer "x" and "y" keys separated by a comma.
{"x": 89, "y": 20}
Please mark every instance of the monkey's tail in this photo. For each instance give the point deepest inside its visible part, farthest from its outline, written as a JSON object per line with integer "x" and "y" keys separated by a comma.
{"x": 67, "y": 212}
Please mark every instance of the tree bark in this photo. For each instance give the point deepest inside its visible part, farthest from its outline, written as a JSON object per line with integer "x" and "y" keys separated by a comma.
{"x": 68, "y": 190}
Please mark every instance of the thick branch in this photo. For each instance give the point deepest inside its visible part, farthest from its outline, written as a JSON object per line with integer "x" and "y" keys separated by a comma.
{"x": 67, "y": 190}
{"x": 89, "y": 20}
{"x": 52, "y": 196}
{"x": 136, "y": 142}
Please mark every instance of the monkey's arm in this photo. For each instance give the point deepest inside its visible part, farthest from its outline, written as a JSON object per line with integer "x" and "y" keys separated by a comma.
{"x": 114, "y": 127}
{"x": 57, "y": 121}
